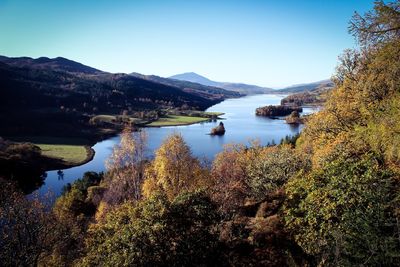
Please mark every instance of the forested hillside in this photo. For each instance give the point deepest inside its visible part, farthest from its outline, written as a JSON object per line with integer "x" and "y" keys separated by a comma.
{"x": 329, "y": 198}
{"x": 62, "y": 95}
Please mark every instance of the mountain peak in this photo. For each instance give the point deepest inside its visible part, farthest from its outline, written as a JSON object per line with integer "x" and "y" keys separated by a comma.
{"x": 195, "y": 78}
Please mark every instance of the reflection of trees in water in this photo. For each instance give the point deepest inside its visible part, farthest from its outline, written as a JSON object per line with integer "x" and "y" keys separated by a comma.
{"x": 26, "y": 178}
{"x": 294, "y": 127}
{"x": 29, "y": 180}
{"x": 60, "y": 175}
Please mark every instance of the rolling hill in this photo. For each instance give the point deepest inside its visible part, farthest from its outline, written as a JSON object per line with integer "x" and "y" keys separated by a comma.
{"x": 312, "y": 94}
{"x": 241, "y": 88}
{"x": 307, "y": 87}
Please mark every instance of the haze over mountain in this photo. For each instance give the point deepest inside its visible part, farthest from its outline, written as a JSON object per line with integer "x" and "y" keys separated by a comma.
{"x": 197, "y": 88}
{"x": 323, "y": 84}
{"x": 242, "y": 88}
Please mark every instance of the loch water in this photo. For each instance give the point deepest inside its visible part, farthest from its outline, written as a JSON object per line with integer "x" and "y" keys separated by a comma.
{"x": 240, "y": 121}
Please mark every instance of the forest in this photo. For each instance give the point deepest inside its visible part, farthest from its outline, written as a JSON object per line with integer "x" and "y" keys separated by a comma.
{"x": 329, "y": 197}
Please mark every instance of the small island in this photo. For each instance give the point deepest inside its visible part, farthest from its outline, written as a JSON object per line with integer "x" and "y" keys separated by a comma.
{"x": 294, "y": 118}
{"x": 219, "y": 130}
{"x": 277, "y": 111}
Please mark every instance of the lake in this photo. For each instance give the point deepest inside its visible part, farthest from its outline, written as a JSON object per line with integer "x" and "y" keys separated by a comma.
{"x": 241, "y": 126}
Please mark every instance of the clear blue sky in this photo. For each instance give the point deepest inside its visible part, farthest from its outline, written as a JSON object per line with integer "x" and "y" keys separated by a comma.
{"x": 268, "y": 43}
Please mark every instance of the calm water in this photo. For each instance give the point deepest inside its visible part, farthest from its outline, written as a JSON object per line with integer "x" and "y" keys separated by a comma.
{"x": 240, "y": 123}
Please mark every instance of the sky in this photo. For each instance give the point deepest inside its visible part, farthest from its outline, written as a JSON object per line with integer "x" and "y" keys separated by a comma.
{"x": 267, "y": 43}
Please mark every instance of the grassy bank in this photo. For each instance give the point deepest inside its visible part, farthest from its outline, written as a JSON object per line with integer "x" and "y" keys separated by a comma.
{"x": 174, "y": 120}
{"x": 71, "y": 154}
{"x": 68, "y": 151}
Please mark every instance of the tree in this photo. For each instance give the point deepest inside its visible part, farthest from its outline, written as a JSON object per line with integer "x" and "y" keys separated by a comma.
{"x": 74, "y": 210}
{"x": 378, "y": 26}
{"x": 345, "y": 213}
{"x": 229, "y": 188}
{"x": 125, "y": 168}
{"x": 28, "y": 229}
{"x": 174, "y": 169}
{"x": 272, "y": 168}
{"x": 156, "y": 232}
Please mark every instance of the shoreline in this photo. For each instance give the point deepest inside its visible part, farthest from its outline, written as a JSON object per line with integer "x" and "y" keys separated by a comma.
{"x": 90, "y": 152}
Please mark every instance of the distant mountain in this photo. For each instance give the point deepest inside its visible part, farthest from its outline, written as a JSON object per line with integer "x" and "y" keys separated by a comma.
{"x": 311, "y": 94}
{"x": 242, "y": 88}
{"x": 195, "y": 78}
{"x": 206, "y": 91}
{"x": 307, "y": 87}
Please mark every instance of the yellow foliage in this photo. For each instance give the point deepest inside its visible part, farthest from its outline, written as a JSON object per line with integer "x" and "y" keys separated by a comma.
{"x": 361, "y": 113}
{"x": 174, "y": 169}
{"x": 102, "y": 210}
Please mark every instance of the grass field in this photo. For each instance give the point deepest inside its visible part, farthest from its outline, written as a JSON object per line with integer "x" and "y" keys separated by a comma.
{"x": 73, "y": 154}
{"x": 213, "y": 113}
{"x": 173, "y": 120}
{"x": 73, "y": 151}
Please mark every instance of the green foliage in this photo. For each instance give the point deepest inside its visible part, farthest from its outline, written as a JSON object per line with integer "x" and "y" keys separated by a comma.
{"x": 271, "y": 169}
{"x": 345, "y": 210}
{"x": 89, "y": 179}
{"x": 156, "y": 232}
{"x": 73, "y": 201}
{"x": 344, "y": 213}
{"x": 290, "y": 139}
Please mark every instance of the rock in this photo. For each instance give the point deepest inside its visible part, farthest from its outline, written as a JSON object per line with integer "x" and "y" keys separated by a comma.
{"x": 219, "y": 130}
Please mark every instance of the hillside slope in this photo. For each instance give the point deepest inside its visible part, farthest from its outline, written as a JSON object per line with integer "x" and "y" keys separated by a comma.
{"x": 60, "y": 94}
{"x": 307, "y": 87}
{"x": 242, "y": 88}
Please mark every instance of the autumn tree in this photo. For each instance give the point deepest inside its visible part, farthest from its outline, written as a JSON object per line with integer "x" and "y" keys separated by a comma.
{"x": 344, "y": 214}
{"x": 378, "y": 26}
{"x": 174, "y": 169}
{"x": 344, "y": 211}
{"x": 156, "y": 232}
{"x": 28, "y": 229}
{"x": 367, "y": 86}
{"x": 125, "y": 168}
{"x": 272, "y": 168}
{"x": 74, "y": 210}
{"x": 229, "y": 188}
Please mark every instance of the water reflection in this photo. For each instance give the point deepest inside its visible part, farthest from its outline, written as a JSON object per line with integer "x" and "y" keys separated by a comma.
{"x": 60, "y": 174}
